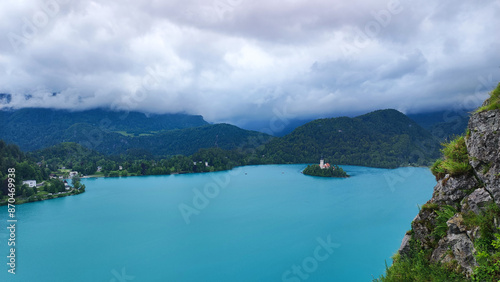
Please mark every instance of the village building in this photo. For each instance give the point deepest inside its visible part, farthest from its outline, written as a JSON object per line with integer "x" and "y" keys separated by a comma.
{"x": 30, "y": 183}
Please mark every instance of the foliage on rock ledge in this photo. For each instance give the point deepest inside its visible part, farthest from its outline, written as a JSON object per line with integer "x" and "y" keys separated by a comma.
{"x": 493, "y": 102}
{"x": 487, "y": 244}
{"x": 416, "y": 266}
{"x": 456, "y": 159}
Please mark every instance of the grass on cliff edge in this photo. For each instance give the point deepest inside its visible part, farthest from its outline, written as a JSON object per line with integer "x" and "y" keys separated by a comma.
{"x": 417, "y": 267}
{"x": 455, "y": 159}
{"x": 493, "y": 102}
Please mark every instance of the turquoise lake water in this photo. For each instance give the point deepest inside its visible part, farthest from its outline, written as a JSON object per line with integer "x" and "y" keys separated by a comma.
{"x": 255, "y": 223}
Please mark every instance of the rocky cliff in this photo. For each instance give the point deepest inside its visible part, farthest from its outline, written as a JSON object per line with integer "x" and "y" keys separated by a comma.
{"x": 456, "y": 233}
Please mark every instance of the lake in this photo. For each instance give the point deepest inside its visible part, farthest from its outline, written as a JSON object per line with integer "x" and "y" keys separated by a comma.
{"x": 254, "y": 223}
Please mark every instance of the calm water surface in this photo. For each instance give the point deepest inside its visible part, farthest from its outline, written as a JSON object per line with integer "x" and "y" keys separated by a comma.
{"x": 256, "y": 223}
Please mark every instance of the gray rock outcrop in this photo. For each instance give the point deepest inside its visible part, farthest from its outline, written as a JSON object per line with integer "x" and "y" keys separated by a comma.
{"x": 483, "y": 146}
{"x": 471, "y": 192}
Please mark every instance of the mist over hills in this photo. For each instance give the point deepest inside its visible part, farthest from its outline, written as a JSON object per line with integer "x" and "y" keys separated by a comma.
{"x": 443, "y": 124}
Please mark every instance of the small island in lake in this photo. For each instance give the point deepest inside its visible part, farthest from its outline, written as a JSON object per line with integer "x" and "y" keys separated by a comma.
{"x": 325, "y": 170}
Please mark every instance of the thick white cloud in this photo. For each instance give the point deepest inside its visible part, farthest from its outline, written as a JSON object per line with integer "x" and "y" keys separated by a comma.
{"x": 238, "y": 60}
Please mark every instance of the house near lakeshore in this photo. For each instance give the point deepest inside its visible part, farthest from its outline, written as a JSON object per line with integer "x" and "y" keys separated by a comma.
{"x": 73, "y": 174}
{"x": 30, "y": 183}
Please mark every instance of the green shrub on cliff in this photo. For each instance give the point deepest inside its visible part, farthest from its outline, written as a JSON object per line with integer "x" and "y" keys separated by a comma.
{"x": 487, "y": 243}
{"x": 444, "y": 214}
{"x": 493, "y": 102}
{"x": 456, "y": 159}
{"x": 416, "y": 266}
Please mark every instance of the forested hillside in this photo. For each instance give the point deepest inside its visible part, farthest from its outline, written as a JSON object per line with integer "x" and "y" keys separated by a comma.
{"x": 172, "y": 142}
{"x": 384, "y": 138}
{"x": 34, "y": 129}
{"x": 75, "y": 157}
{"x": 25, "y": 169}
{"x": 114, "y": 133}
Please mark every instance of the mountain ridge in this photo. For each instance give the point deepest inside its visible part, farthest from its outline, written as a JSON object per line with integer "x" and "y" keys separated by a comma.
{"x": 383, "y": 138}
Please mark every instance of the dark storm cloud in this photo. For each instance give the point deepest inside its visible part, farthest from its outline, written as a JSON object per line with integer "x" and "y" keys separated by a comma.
{"x": 235, "y": 60}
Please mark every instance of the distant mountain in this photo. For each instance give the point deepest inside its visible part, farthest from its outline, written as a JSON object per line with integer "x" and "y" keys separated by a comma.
{"x": 5, "y": 98}
{"x": 276, "y": 128}
{"x": 111, "y": 132}
{"x": 37, "y": 128}
{"x": 172, "y": 142}
{"x": 443, "y": 124}
{"x": 384, "y": 138}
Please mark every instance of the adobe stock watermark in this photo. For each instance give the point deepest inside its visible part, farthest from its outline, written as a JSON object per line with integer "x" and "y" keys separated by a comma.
{"x": 95, "y": 137}
{"x": 372, "y": 28}
{"x": 310, "y": 264}
{"x": 31, "y": 26}
{"x": 218, "y": 10}
{"x": 121, "y": 276}
{"x": 148, "y": 82}
{"x": 456, "y": 117}
{"x": 281, "y": 118}
{"x": 279, "y": 121}
{"x": 202, "y": 197}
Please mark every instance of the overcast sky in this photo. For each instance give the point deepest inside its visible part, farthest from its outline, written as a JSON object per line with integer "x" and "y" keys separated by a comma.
{"x": 240, "y": 60}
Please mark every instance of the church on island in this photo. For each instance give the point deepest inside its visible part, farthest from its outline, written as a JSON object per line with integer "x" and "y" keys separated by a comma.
{"x": 322, "y": 164}
{"x": 324, "y": 170}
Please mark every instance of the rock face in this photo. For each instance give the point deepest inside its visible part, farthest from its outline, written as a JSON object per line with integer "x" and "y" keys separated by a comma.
{"x": 483, "y": 146}
{"x": 477, "y": 201}
{"x": 422, "y": 227}
{"x": 456, "y": 245}
{"x": 472, "y": 192}
{"x": 451, "y": 190}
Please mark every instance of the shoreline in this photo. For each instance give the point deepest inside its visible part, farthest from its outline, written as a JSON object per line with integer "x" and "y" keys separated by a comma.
{"x": 44, "y": 197}
{"x": 66, "y": 194}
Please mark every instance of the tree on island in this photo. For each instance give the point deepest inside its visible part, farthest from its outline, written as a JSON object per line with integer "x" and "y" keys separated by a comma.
{"x": 75, "y": 181}
{"x": 77, "y": 184}
{"x": 333, "y": 171}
